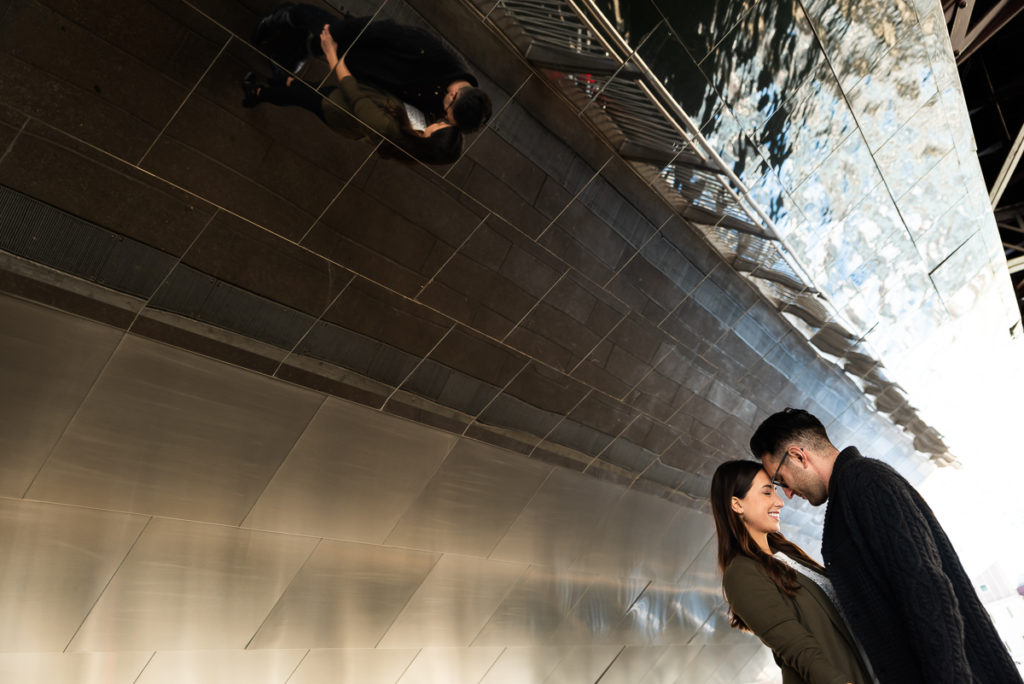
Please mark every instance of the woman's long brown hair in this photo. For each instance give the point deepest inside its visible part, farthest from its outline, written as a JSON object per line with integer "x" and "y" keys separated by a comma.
{"x": 734, "y": 478}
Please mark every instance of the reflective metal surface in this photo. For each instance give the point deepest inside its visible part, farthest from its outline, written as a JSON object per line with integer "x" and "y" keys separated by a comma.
{"x": 450, "y": 665}
{"x": 57, "y": 364}
{"x": 345, "y": 596}
{"x": 471, "y": 502}
{"x": 679, "y": 664}
{"x": 216, "y": 667}
{"x": 279, "y": 409}
{"x": 807, "y": 109}
{"x": 597, "y": 614}
{"x": 350, "y": 476}
{"x": 452, "y": 604}
{"x": 353, "y": 666}
{"x": 569, "y": 502}
{"x": 583, "y": 663}
{"x": 161, "y": 433}
{"x": 603, "y": 579}
{"x": 57, "y": 562}
{"x": 633, "y": 664}
{"x": 524, "y": 664}
{"x": 534, "y": 609}
{"x": 187, "y": 585}
{"x": 122, "y": 667}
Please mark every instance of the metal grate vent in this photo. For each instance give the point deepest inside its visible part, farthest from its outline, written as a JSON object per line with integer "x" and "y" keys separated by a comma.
{"x": 194, "y": 294}
{"x": 36, "y": 231}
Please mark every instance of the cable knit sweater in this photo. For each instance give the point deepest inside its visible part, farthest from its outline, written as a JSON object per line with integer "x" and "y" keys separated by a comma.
{"x": 901, "y": 585}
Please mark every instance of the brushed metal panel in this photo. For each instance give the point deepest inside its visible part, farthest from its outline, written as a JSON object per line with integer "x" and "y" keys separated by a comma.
{"x": 217, "y": 667}
{"x": 689, "y": 532}
{"x": 633, "y": 664}
{"x": 81, "y": 668}
{"x": 676, "y": 662}
{"x": 595, "y": 617}
{"x": 49, "y": 362}
{"x": 674, "y": 612}
{"x": 700, "y": 590}
{"x": 701, "y": 669}
{"x": 655, "y": 618}
{"x": 560, "y": 522}
{"x": 453, "y": 603}
{"x": 451, "y": 665}
{"x": 471, "y": 502}
{"x": 537, "y": 605}
{"x": 716, "y": 629}
{"x": 519, "y": 664}
{"x": 736, "y": 659}
{"x": 351, "y": 475}
{"x": 172, "y": 433}
{"x": 760, "y": 668}
{"x": 192, "y": 586}
{"x": 629, "y": 542}
{"x": 353, "y": 666}
{"x": 583, "y": 664}
{"x": 346, "y": 596}
{"x": 55, "y": 562}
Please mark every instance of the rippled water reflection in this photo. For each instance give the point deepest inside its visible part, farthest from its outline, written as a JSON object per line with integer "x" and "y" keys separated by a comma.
{"x": 846, "y": 121}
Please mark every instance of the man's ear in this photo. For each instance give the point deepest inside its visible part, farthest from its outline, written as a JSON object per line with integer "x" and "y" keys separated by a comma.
{"x": 737, "y": 506}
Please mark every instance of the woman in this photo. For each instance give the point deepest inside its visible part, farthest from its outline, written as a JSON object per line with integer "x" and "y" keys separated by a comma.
{"x": 774, "y": 589}
{"x": 360, "y": 112}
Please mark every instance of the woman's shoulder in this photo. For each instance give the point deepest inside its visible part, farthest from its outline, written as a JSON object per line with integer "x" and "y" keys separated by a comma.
{"x": 742, "y": 562}
{"x": 741, "y": 568}
{"x": 746, "y": 584}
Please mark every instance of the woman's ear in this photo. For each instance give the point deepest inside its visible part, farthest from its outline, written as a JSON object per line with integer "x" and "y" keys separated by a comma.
{"x": 737, "y": 506}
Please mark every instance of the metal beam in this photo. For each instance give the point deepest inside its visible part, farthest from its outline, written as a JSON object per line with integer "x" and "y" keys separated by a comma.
{"x": 1012, "y": 229}
{"x": 948, "y": 8}
{"x": 1010, "y": 212}
{"x": 1009, "y": 166}
{"x": 961, "y": 19}
{"x": 988, "y": 26}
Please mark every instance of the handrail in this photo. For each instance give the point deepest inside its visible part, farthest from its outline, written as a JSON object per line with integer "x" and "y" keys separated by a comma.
{"x": 695, "y": 135}
{"x": 650, "y": 125}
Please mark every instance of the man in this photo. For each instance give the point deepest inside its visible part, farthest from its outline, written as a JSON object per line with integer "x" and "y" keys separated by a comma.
{"x": 899, "y": 582}
{"x": 406, "y": 61}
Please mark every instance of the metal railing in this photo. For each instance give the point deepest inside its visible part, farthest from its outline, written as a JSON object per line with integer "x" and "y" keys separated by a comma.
{"x": 626, "y": 101}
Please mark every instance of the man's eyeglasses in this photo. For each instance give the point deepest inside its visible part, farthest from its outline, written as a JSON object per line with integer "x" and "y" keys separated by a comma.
{"x": 775, "y": 477}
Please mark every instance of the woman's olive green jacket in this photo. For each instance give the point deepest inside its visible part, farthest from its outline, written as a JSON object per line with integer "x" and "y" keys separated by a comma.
{"x": 806, "y": 633}
{"x": 360, "y": 111}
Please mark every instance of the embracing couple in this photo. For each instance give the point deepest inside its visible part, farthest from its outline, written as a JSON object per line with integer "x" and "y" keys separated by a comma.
{"x": 892, "y": 605}
{"x": 396, "y": 86}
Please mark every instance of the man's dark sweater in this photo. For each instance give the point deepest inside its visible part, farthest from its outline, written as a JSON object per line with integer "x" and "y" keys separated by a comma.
{"x": 901, "y": 585}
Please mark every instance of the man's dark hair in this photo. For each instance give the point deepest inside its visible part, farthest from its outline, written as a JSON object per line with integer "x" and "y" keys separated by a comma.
{"x": 785, "y": 426}
{"x": 471, "y": 109}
